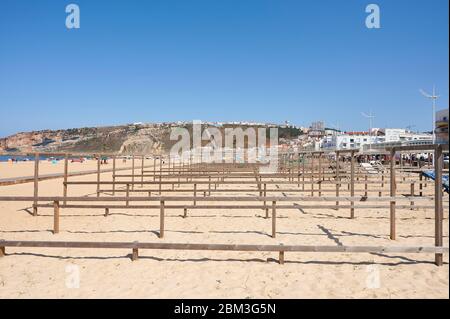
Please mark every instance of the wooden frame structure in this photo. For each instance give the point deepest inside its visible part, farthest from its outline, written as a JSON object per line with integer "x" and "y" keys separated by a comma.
{"x": 296, "y": 171}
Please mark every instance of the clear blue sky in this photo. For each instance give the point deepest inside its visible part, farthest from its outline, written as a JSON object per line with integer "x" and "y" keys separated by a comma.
{"x": 220, "y": 60}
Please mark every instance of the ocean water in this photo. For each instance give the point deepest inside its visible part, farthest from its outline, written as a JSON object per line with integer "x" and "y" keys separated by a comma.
{"x": 5, "y": 158}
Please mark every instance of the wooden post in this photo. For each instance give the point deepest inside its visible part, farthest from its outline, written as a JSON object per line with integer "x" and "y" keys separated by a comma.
{"x": 36, "y": 183}
{"x": 98, "y": 175}
{"x": 142, "y": 171}
{"x": 128, "y": 194}
{"x": 412, "y": 195}
{"x": 132, "y": 171}
{"x": 195, "y": 194}
{"x": 209, "y": 185}
{"x": 303, "y": 172}
{"x": 2, "y": 251}
{"x": 106, "y": 212}
{"x": 159, "y": 184}
{"x": 55, "y": 217}
{"x": 420, "y": 185}
{"x": 161, "y": 220}
{"x": 438, "y": 207}
{"x": 392, "y": 194}
{"x": 281, "y": 257}
{"x": 114, "y": 176}
{"x": 274, "y": 219}
{"x": 352, "y": 183}
{"x": 135, "y": 254}
{"x": 66, "y": 171}
{"x": 168, "y": 166}
{"x": 265, "y": 194}
{"x": 365, "y": 186}
{"x": 338, "y": 179}
{"x": 320, "y": 167}
{"x": 185, "y": 213}
{"x": 312, "y": 174}
{"x": 154, "y": 168}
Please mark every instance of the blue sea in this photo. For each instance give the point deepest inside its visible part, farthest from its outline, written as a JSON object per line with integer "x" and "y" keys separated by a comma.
{"x": 5, "y": 158}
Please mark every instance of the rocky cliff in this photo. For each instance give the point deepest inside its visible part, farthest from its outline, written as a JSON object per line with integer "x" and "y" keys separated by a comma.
{"x": 124, "y": 139}
{"x": 115, "y": 139}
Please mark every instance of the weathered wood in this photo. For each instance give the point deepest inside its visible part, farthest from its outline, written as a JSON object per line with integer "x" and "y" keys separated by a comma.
{"x": 420, "y": 185}
{"x": 98, "y": 174}
{"x": 128, "y": 195}
{"x": 55, "y": 217}
{"x": 392, "y": 193}
{"x": 219, "y": 206}
{"x": 114, "y": 176}
{"x": 135, "y": 254}
{"x": 227, "y": 247}
{"x": 338, "y": 178}
{"x": 161, "y": 219}
{"x": 142, "y": 171}
{"x": 352, "y": 183}
{"x": 66, "y": 174}
{"x": 132, "y": 170}
{"x": 281, "y": 257}
{"x": 213, "y": 199}
{"x": 36, "y": 183}
{"x": 274, "y": 219}
{"x": 438, "y": 208}
{"x": 2, "y": 250}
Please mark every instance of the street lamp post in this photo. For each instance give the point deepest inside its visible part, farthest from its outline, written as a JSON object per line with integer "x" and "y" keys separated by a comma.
{"x": 433, "y": 98}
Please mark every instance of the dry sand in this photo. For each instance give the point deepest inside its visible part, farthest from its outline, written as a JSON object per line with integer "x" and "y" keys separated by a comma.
{"x": 44, "y": 273}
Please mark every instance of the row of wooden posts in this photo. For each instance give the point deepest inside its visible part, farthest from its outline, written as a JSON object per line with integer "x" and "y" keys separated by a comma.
{"x": 190, "y": 168}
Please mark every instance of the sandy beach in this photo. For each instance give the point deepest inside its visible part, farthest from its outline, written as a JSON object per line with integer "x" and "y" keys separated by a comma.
{"x": 46, "y": 273}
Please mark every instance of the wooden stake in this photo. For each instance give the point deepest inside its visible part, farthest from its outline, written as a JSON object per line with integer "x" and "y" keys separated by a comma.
{"x": 392, "y": 194}
{"x": 438, "y": 207}
{"x": 114, "y": 176}
{"x": 135, "y": 254}
{"x": 338, "y": 178}
{"x": 142, "y": 171}
{"x": 36, "y": 183}
{"x": 98, "y": 175}
{"x": 161, "y": 220}
{"x": 132, "y": 171}
{"x": 55, "y": 217}
{"x": 352, "y": 183}
{"x": 281, "y": 257}
{"x": 274, "y": 219}
{"x": 128, "y": 194}
{"x": 66, "y": 173}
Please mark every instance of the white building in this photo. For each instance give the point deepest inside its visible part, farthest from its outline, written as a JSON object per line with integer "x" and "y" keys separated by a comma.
{"x": 381, "y": 138}
{"x": 442, "y": 127}
{"x": 402, "y": 135}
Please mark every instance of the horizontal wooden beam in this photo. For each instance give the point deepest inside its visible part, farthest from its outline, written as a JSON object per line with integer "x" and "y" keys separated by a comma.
{"x": 227, "y": 247}
{"x": 292, "y": 207}
{"x": 210, "y": 199}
